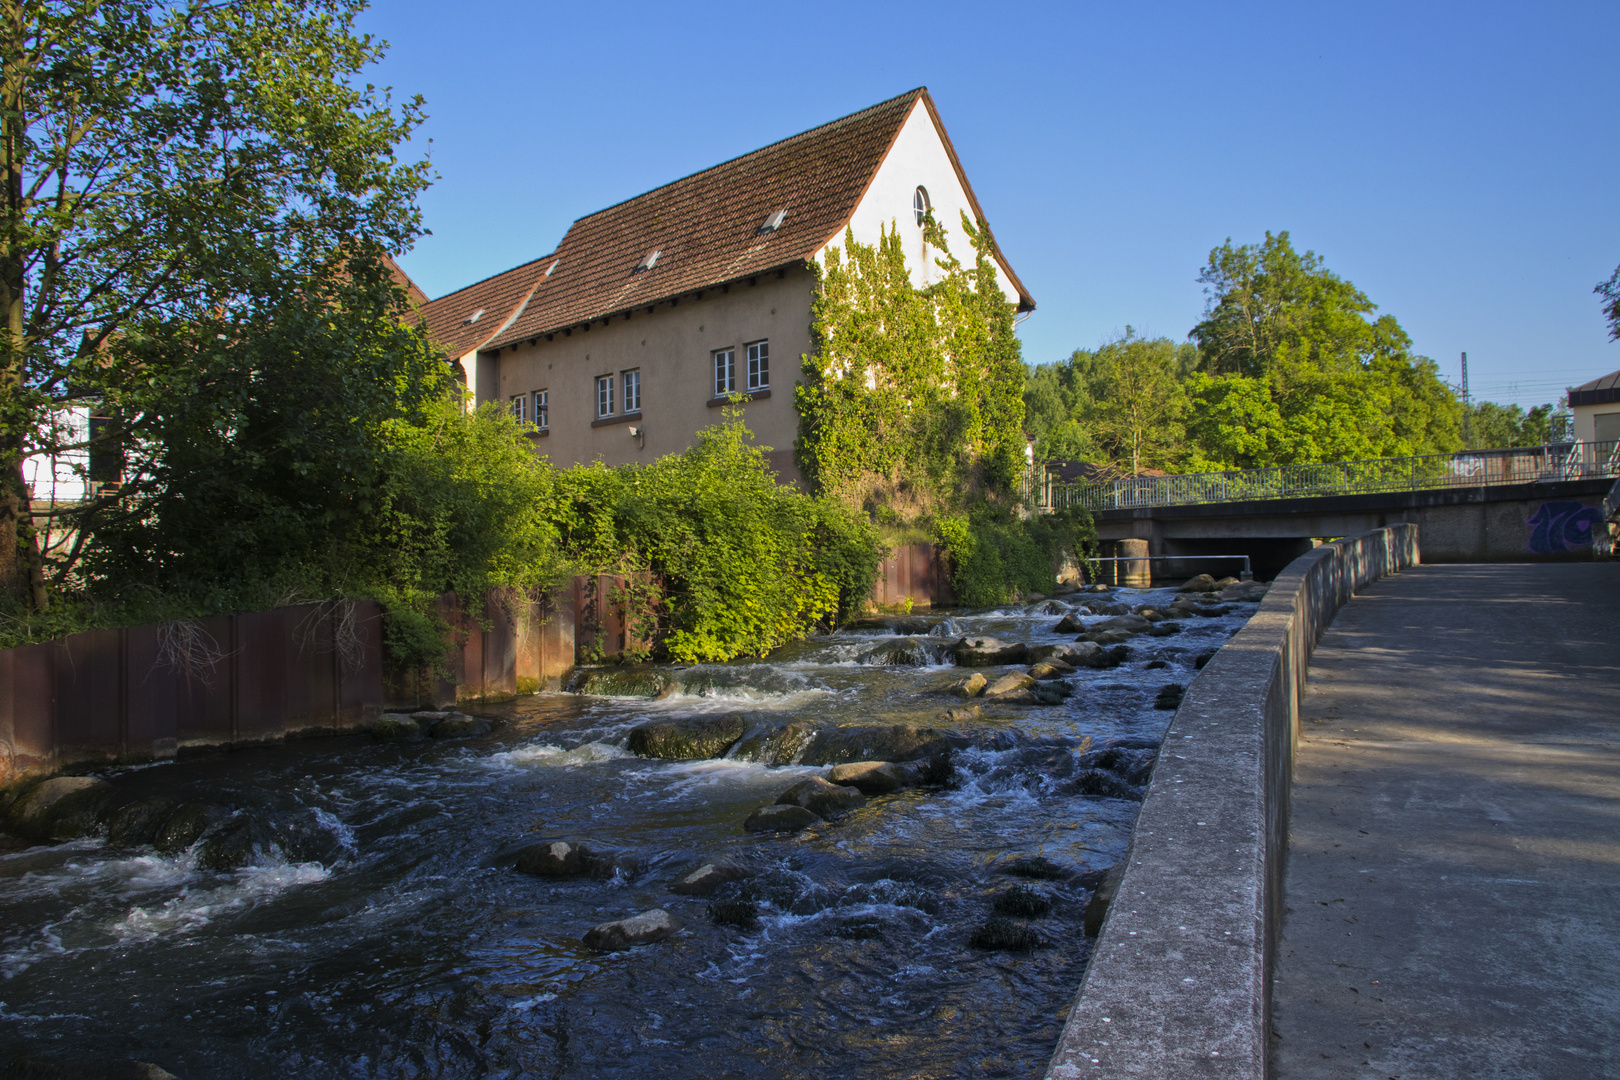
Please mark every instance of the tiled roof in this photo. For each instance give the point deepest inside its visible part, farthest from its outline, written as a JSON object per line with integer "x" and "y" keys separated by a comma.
{"x": 467, "y": 318}
{"x": 705, "y": 228}
{"x": 1600, "y": 391}
{"x": 403, "y": 280}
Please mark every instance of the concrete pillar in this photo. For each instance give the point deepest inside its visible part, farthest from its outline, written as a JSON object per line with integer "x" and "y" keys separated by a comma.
{"x": 1137, "y": 573}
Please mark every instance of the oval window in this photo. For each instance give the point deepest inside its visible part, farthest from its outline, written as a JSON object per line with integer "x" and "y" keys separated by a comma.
{"x": 919, "y": 203}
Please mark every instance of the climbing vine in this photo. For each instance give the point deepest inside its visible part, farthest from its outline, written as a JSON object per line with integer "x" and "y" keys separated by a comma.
{"x": 912, "y": 395}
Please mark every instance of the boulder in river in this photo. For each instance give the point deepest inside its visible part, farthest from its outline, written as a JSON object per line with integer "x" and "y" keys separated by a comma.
{"x": 1010, "y": 683}
{"x": 988, "y": 652}
{"x": 60, "y": 808}
{"x": 1023, "y": 901}
{"x": 1201, "y": 583}
{"x": 1098, "y": 587}
{"x": 780, "y": 819}
{"x": 879, "y": 742}
{"x": 1165, "y": 629}
{"x": 873, "y": 777}
{"x": 136, "y": 824}
{"x": 689, "y": 738}
{"x": 1134, "y": 624}
{"x": 1071, "y": 623}
{"x": 890, "y": 625}
{"x": 1000, "y": 933}
{"x": 971, "y": 687}
{"x": 563, "y": 859}
{"x": 188, "y": 824}
{"x": 1051, "y": 668}
{"x": 706, "y": 879}
{"x": 1243, "y": 591}
{"x": 964, "y": 714}
{"x": 643, "y": 929}
{"x": 1106, "y": 638}
{"x": 238, "y": 844}
{"x": 772, "y": 743}
{"x": 1037, "y": 867}
{"x": 1170, "y": 696}
{"x": 461, "y": 726}
{"x": 902, "y": 652}
{"x": 642, "y": 682}
{"x": 821, "y": 797}
{"x": 392, "y": 726}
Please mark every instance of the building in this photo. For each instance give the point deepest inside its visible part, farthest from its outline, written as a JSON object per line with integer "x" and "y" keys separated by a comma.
{"x": 621, "y": 343}
{"x": 1595, "y": 409}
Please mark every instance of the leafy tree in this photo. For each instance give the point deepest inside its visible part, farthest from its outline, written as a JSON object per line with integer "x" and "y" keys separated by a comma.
{"x": 1494, "y": 425}
{"x": 1136, "y": 410}
{"x": 174, "y": 171}
{"x": 1610, "y": 292}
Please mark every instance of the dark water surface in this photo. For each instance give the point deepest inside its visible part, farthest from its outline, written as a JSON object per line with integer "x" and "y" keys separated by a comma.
{"x": 414, "y": 950}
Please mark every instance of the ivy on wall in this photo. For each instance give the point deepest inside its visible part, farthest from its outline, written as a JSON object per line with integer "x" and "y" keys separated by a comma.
{"x": 913, "y": 396}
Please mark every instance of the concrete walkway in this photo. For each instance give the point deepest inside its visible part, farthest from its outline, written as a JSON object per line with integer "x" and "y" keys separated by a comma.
{"x": 1452, "y": 898}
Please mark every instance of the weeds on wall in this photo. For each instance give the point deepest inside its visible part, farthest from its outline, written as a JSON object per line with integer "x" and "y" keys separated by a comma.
{"x": 995, "y": 561}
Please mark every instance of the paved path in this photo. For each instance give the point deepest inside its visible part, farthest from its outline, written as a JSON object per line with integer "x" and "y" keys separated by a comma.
{"x": 1452, "y": 904}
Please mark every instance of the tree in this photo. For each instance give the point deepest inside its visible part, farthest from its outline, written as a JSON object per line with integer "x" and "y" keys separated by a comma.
{"x": 177, "y": 173}
{"x": 1296, "y": 369}
{"x": 1610, "y": 292}
{"x": 1137, "y": 409}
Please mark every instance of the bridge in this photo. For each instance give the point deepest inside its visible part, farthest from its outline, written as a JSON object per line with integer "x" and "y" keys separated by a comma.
{"x": 1531, "y": 504}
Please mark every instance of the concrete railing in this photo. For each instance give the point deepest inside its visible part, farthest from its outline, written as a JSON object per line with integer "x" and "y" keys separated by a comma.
{"x": 1180, "y": 977}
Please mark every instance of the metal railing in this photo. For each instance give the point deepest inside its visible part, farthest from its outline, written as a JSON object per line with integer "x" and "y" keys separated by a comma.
{"x": 1470, "y": 469}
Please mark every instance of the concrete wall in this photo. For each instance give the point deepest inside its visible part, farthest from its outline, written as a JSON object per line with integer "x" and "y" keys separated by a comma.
{"x": 1179, "y": 980}
{"x": 672, "y": 346}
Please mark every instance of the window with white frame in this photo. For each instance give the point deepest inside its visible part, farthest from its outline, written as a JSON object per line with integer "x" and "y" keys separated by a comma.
{"x": 725, "y": 371}
{"x": 542, "y": 411}
{"x": 632, "y": 389}
{"x": 518, "y": 402}
{"x": 604, "y": 395}
{"x": 759, "y": 365}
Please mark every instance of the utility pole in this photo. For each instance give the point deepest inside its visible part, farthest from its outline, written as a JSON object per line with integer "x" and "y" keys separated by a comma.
{"x": 1468, "y": 439}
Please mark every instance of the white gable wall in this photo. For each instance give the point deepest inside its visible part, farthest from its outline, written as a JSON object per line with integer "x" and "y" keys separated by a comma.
{"x": 918, "y": 156}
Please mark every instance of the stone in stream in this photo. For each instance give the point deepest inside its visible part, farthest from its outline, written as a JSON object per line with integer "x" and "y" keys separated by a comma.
{"x": 971, "y": 687}
{"x": 1050, "y": 669}
{"x": 890, "y": 625}
{"x": 771, "y": 743}
{"x": 708, "y": 878}
{"x": 1106, "y": 638}
{"x": 988, "y": 652}
{"x": 238, "y": 844}
{"x": 460, "y": 726}
{"x": 1170, "y": 696}
{"x": 821, "y": 797}
{"x": 60, "y": 808}
{"x": 428, "y": 717}
{"x": 1099, "y": 587}
{"x": 962, "y": 715}
{"x": 1000, "y": 933}
{"x": 562, "y": 860}
{"x": 1071, "y": 623}
{"x": 1165, "y": 629}
{"x": 1134, "y": 624}
{"x": 690, "y": 738}
{"x": 1038, "y": 867}
{"x": 879, "y": 742}
{"x": 780, "y": 819}
{"x": 1244, "y": 591}
{"x": 873, "y": 777}
{"x": 1203, "y": 658}
{"x": 1201, "y": 583}
{"x": 187, "y": 825}
{"x": 643, "y": 929}
{"x": 1011, "y": 683}
{"x": 136, "y": 824}
{"x": 643, "y": 682}
{"x": 392, "y": 726}
{"x": 1024, "y": 901}
{"x": 735, "y": 911}
{"x": 902, "y": 652}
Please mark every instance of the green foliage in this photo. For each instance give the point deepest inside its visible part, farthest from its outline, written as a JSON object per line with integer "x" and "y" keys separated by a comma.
{"x": 998, "y": 557}
{"x": 1121, "y": 403}
{"x": 736, "y": 564}
{"x": 177, "y": 171}
{"x": 1491, "y": 425}
{"x": 912, "y": 395}
{"x": 1610, "y": 292}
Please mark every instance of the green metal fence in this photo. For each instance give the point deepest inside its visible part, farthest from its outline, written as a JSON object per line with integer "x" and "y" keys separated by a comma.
{"x": 1470, "y": 469}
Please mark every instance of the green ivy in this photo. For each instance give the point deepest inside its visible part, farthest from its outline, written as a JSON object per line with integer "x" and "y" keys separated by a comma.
{"x": 995, "y": 561}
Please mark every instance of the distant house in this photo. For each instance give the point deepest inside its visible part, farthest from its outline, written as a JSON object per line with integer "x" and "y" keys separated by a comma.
{"x": 620, "y": 344}
{"x": 1595, "y": 409}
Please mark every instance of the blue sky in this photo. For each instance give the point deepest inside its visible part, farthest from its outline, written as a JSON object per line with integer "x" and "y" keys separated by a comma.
{"x": 1459, "y": 162}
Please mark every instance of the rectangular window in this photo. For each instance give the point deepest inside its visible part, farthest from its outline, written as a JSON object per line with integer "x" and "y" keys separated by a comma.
{"x": 759, "y": 365}
{"x": 632, "y": 390}
{"x": 517, "y": 407}
{"x": 725, "y": 372}
{"x": 604, "y": 395}
{"x": 542, "y": 414}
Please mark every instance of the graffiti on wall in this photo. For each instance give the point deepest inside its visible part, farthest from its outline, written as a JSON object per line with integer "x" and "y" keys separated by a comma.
{"x": 1562, "y": 525}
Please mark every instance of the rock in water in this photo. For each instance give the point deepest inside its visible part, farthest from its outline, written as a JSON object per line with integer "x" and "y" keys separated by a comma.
{"x": 688, "y": 739}
{"x": 706, "y": 879}
{"x": 780, "y": 819}
{"x": 461, "y": 726}
{"x": 1024, "y": 901}
{"x": 988, "y": 652}
{"x": 1106, "y": 638}
{"x": 1050, "y": 669}
{"x": 53, "y": 806}
{"x": 1002, "y": 933}
{"x": 236, "y": 845}
{"x": 1038, "y": 867}
{"x": 879, "y": 742}
{"x": 904, "y": 652}
{"x": 643, "y": 682}
{"x": 872, "y": 777}
{"x": 1201, "y": 583}
{"x": 970, "y": 687}
{"x": 1070, "y": 624}
{"x": 643, "y": 929}
{"x": 136, "y": 824}
{"x": 1011, "y": 683}
{"x": 1169, "y": 697}
{"x": 561, "y": 859}
{"x": 821, "y": 797}
{"x": 772, "y": 743}
{"x": 391, "y": 726}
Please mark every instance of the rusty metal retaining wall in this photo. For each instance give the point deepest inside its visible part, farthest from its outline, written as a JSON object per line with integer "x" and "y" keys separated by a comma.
{"x": 917, "y": 571}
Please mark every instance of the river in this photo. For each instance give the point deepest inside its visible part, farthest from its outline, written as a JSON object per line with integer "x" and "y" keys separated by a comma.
{"x": 406, "y": 945}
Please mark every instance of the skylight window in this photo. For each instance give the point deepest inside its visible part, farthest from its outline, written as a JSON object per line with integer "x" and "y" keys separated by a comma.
{"x": 773, "y": 222}
{"x": 474, "y": 317}
{"x": 646, "y": 263}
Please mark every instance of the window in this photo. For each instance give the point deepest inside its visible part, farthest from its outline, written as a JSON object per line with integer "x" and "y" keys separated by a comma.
{"x": 632, "y": 391}
{"x": 759, "y": 365}
{"x": 725, "y": 372}
{"x": 920, "y": 204}
{"x": 604, "y": 395}
{"x": 542, "y": 413}
{"x": 517, "y": 406}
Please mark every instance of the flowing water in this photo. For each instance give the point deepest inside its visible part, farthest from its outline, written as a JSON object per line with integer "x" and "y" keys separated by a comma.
{"x": 406, "y": 945}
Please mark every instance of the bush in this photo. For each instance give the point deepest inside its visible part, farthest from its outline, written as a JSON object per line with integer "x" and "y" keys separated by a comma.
{"x": 993, "y": 560}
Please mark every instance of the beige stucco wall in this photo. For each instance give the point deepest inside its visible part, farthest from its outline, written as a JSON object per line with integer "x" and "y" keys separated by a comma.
{"x": 917, "y": 157}
{"x": 1584, "y": 421}
{"x": 672, "y": 347}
